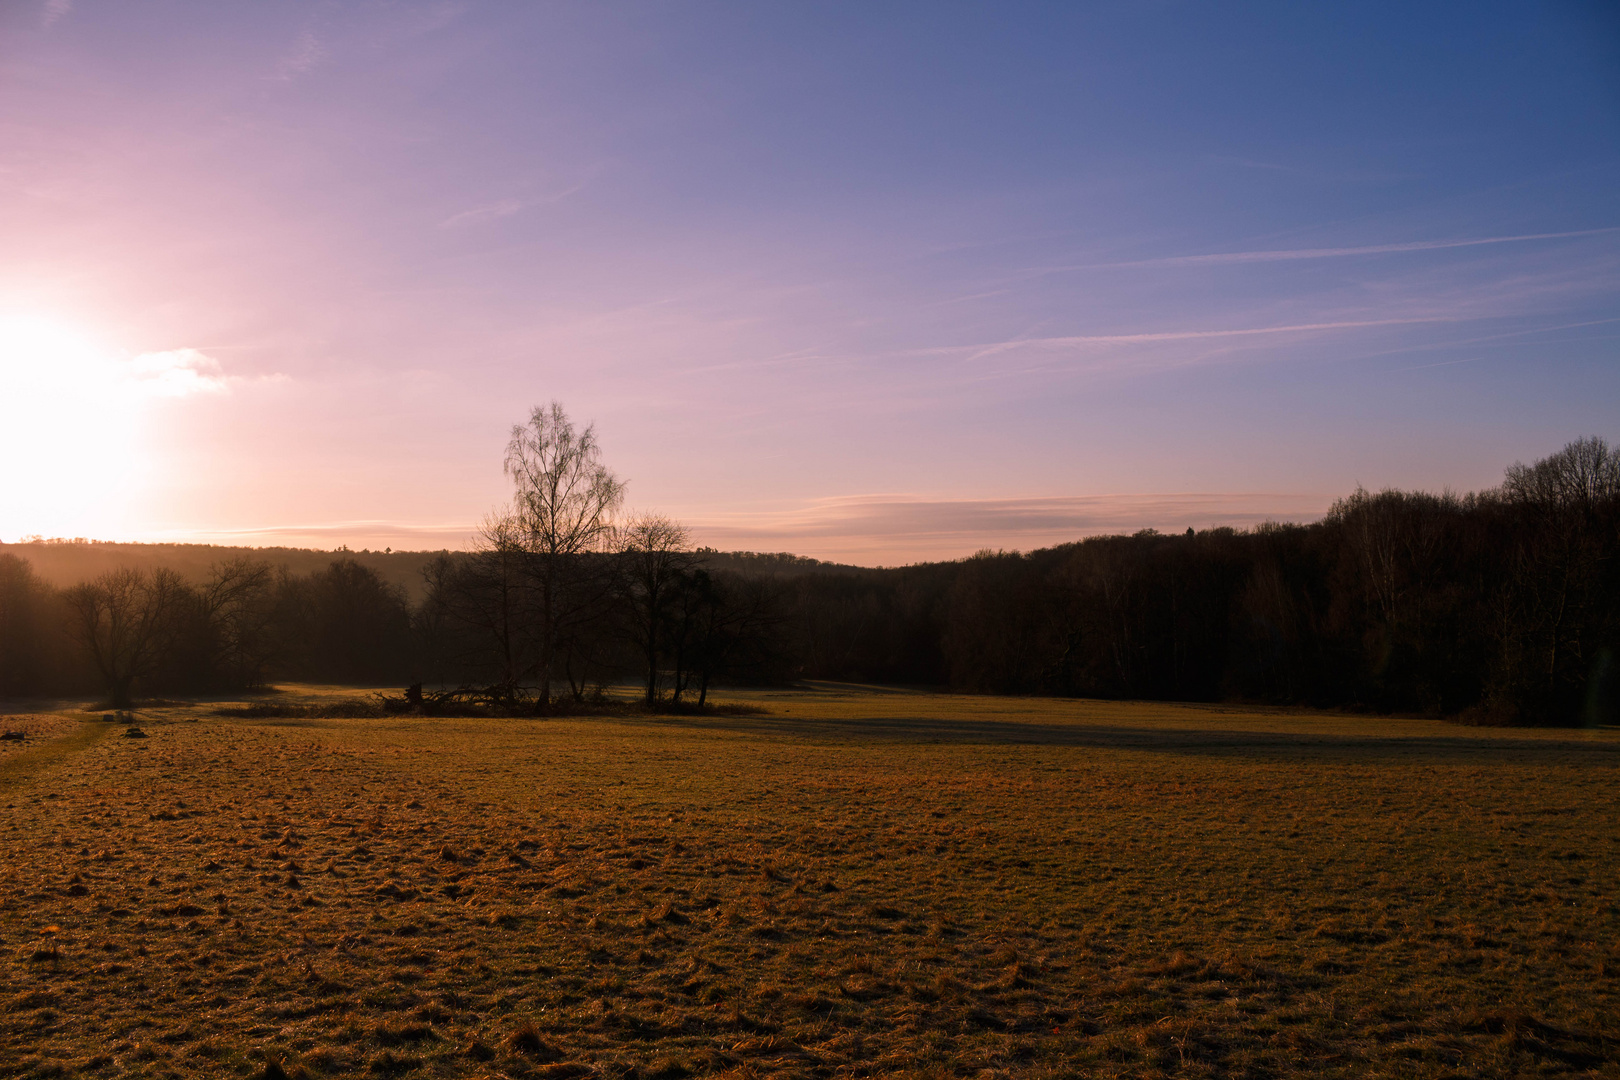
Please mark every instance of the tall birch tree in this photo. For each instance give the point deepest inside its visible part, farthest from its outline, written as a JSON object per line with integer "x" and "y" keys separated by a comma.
{"x": 561, "y": 516}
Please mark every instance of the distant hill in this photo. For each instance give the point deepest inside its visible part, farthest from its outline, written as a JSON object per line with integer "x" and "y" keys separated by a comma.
{"x": 67, "y": 562}
{"x": 763, "y": 564}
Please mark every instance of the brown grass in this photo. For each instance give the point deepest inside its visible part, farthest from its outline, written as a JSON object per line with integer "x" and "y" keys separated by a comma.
{"x": 848, "y": 883}
{"x": 46, "y": 740}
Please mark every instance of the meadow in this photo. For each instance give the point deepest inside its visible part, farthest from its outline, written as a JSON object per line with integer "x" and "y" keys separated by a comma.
{"x": 836, "y": 881}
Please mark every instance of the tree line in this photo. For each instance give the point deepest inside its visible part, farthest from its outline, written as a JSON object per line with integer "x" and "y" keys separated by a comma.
{"x": 1501, "y": 606}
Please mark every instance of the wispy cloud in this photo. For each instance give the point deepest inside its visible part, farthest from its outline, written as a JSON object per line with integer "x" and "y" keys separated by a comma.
{"x": 53, "y": 11}
{"x": 797, "y": 357}
{"x": 306, "y": 53}
{"x": 1051, "y": 354}
{"x": 1507, "y": 338}
{"x": 504, "y": 208}
{"x": 1441, "y": 363}
{"x": 1288, "y": 255}
{"x": 418, "y": 21}
{"x": 178, "y": 373}
{"x": 969, "y": 298}
{"x": 183, "y": 373}
{"x": 1353, "y": 176}
{"x": 979, "y": 351}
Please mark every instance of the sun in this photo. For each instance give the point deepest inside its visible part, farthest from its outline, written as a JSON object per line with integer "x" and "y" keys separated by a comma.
{"x": 69, "y": 431}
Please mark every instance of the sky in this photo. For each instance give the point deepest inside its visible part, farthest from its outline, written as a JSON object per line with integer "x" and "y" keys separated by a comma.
{"x": 871, "y": 282}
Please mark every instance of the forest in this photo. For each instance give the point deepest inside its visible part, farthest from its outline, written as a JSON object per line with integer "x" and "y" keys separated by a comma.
{"x": 1496, "y": 607}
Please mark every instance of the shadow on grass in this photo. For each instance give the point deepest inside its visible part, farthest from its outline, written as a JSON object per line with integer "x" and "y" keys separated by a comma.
{"x": 1167, "y": 739}
{"x": 380, "y": 706}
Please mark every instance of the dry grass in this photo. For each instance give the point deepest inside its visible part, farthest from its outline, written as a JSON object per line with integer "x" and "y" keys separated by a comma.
{"x": 856, "y": 883}
{"x": 34, "y": 741}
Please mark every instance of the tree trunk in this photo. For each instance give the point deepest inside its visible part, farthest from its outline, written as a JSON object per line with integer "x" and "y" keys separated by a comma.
{"x": 652, "y": 656}
{"x": 681, "y": 674}
{"x": 577, "y": 689}
{"x": 548, "y": 633}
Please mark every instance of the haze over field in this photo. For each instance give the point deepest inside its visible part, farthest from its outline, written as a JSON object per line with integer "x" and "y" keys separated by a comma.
{"x": 874, "y": 285}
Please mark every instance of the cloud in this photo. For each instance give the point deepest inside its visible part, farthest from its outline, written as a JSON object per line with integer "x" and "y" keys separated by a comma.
{"x": 53, "y": 11}
{"x": 418, "y": 21}
{"x": 500, "y": 209}
{"x": 506, "y": 207}
{"x": 1096, "y": 343}
{"x": 1353, "y": 176}
{"x": 1228, "y": 258}
{"x": 893, "y": 529}
{"x": 1158, "y": 336}
{"x": 306, "y": 53}
{"x": 178, "y": 373}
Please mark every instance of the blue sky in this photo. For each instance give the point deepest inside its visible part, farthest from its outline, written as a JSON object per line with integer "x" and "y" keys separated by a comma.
{"x": 875, "y": 282}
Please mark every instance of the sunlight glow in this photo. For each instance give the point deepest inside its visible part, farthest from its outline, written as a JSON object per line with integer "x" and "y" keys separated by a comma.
{"x": 72, "y": 420}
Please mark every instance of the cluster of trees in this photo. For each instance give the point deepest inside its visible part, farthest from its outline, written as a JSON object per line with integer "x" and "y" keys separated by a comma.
{"x": 150, "y": 631}
{"x": 1500, "y": 607}
{"x": 558, "y": 595}
{"x": 557, "y": 592}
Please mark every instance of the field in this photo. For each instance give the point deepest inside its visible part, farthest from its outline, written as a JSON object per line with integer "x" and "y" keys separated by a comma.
{"x": 845, "y": 882}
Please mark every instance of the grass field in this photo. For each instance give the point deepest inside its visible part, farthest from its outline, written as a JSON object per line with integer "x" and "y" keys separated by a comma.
{"x": 849, "y": 882}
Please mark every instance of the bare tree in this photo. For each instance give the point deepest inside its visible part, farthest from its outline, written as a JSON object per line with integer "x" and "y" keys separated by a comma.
{"x": 239, "y": 600}
{"x": 722, "y": 626}
{"x": 1396, "y": 539}
{"x": 1569, "y": 501}
{"x": 28, "y": 628}
{"x": 656, "y": 554}
{"x": 1581, "y": 476}
{"x": 127, "y": 620}
{"x": 561, "y": 514}
{"x": 476, "y": 610}
{"x": 495, "y": 581}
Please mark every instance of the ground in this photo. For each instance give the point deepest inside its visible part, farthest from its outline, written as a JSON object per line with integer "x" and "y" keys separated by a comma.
{"x": 847, "y": 882}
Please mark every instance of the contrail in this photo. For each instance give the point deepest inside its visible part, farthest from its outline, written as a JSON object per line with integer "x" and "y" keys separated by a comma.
{"x": 991, "y": 348}
{"x": 1332, "y": 253}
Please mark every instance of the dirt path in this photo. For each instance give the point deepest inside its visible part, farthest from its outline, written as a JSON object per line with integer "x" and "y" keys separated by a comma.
{"x": 50, "y": 738}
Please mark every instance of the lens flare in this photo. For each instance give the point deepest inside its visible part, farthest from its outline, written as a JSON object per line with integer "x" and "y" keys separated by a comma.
{"x": 73, "y": 413}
